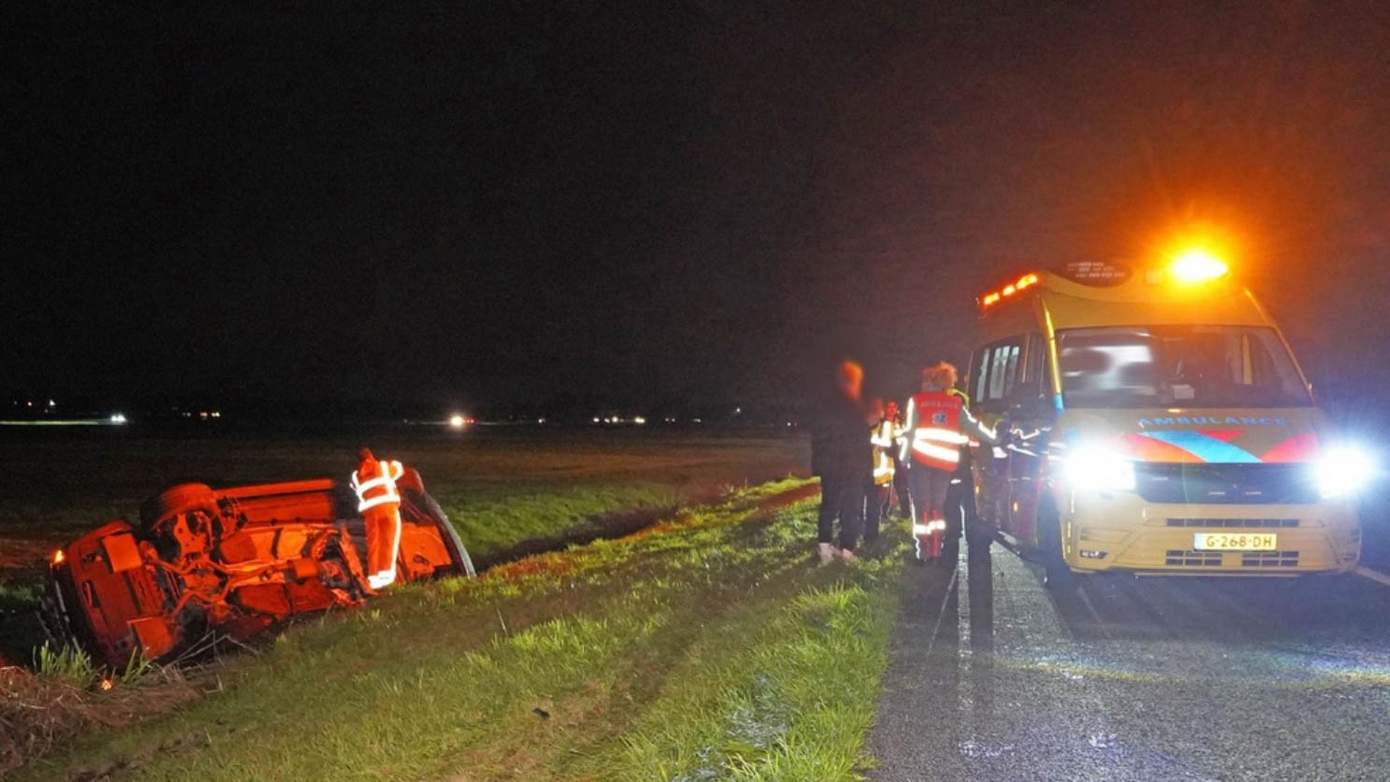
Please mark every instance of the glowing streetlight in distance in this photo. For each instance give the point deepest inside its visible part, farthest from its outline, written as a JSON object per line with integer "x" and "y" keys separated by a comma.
{"x": 457, "y": 421}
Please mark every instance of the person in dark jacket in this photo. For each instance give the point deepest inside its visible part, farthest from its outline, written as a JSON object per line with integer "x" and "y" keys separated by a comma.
{"x": 841, "y": 455}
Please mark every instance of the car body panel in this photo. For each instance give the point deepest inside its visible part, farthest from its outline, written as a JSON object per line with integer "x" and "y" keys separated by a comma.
{"x": 232, "y": 562}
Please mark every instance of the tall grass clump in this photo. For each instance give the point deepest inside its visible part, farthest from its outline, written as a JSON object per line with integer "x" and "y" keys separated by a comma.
{"x": 68, "y": 664}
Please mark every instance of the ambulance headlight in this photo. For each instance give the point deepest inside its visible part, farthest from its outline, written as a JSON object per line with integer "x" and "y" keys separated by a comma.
{"x": 1343, "y": 471}
{"x": 1098, "y": 468}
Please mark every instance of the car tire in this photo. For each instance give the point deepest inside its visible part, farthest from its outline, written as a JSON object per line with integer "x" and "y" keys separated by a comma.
{"x": 452, "y": 541}
{"x": 177, "y": 498}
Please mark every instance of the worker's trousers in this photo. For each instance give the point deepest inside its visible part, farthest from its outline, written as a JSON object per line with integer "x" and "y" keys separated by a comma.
{"x": 876, "y": 507}
{"x": 842, "y": 498}
{"x": 903, "y": 485}
{"x": 929, "y": 488}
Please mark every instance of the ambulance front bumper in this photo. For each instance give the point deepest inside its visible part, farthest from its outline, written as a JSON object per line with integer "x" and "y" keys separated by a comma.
{"x": 1124, "y": 532}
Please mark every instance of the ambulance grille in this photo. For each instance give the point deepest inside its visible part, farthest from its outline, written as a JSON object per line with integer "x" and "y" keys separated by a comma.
{"x": 1225, "y": 484}
{"x": 1192, "y": 558}
{"x": 1234, "y": 523}
{"x": 1269, "y": 559}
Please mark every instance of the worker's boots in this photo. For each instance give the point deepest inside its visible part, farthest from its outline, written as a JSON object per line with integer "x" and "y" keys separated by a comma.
{"x": 825, "y": 552}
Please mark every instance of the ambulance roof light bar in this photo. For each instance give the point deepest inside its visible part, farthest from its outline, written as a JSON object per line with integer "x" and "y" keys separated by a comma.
{"x": 1197, "y": 265}
{"x": 1190, "y": 267}
{"x": 1017, "y": 286}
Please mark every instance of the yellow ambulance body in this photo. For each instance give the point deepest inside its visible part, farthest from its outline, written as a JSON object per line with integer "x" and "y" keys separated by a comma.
{"x": 1161, "y": 426}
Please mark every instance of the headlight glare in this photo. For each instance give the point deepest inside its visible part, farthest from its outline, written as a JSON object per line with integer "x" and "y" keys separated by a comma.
{"x": 1343, "y": 470}
{"x": 1098, "y": 468}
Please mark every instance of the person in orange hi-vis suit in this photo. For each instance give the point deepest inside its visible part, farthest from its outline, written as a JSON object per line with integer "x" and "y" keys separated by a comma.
{"x": 380, "y": 505}
{"x": 938, "y": 424}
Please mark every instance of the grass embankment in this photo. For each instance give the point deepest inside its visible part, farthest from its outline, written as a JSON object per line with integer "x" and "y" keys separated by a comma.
{"x": 507, "y": 492}
{"x": 499, "y": 487}
{"x": 708, "y": 647}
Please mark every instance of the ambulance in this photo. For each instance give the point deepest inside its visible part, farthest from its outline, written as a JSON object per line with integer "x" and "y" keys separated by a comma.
{"x": 1159, "y": 425}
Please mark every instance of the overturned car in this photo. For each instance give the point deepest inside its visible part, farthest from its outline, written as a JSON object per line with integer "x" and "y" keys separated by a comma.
{"x": 231, "y": 562}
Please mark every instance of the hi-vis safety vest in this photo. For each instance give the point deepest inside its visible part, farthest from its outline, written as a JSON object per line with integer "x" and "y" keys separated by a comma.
{"x": 379, "y": 502}
{"x": 935, "y": 418}
{"x": 882, "y": 439}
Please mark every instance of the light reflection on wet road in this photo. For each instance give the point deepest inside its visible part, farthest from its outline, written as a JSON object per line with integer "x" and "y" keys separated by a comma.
{"x": 995, "y": 678}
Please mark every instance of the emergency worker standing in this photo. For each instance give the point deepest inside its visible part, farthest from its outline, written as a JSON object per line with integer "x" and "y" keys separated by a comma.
{"x": 939, "y": 425}
{"x": 841, "y": 456}
{"x": 880, "y": 487}
{"x": 379, "y": 502}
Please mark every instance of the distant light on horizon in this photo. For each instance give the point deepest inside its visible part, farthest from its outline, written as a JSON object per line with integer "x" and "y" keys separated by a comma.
{"x": 118, "y": 419}
{"x": 457, "y": 421}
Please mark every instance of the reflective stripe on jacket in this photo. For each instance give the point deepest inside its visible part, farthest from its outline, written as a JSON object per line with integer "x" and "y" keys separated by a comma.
{"x": 881, "y": 437}
{"x": 379, "y": 502}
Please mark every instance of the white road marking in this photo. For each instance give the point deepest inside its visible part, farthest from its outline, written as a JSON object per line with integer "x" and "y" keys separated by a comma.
{"x": 945, "y": 598}
{"x": 1374, "y": 575}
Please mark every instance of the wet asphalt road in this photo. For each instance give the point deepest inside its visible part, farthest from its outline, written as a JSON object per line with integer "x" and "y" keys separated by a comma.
{"x": 995, "y": 678}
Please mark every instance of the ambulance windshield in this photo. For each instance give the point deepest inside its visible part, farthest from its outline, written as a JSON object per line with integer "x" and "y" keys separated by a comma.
{"x": 1184, "y": 366}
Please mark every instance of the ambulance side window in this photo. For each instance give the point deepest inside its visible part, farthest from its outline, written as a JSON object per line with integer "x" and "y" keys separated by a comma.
{"x": 1030, "y": 379}
{"x": 1003, "y": 360}
{"x": 980, "y": 374}
{"x": 998, "y": 362}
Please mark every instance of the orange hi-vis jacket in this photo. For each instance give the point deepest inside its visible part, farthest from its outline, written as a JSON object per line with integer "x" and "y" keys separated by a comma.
{"x": 380, "y": 505}
{"x": 936, "y": 422}
{"x": 933, "y": 418}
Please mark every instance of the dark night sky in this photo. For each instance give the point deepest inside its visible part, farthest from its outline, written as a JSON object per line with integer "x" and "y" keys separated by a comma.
{"x": 705, "y": 199}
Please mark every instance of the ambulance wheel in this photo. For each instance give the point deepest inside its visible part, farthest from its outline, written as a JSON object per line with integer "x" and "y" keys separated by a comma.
{"x": 1056, "y": 574}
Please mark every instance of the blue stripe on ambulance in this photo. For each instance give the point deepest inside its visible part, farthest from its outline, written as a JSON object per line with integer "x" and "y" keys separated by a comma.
{"x": 1205, "y": 447}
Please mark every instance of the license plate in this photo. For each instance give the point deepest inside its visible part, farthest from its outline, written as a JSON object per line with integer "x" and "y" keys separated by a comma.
{"x": 1239, "y": 541}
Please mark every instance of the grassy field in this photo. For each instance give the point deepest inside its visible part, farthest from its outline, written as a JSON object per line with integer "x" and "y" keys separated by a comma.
{"x": 499, "y": 487}
{"x": 706, "y": 647}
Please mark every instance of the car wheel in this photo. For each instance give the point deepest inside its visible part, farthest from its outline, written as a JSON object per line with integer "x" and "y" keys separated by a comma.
{"x": 462, "y": 561}
{"x": 177, "y": 498}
